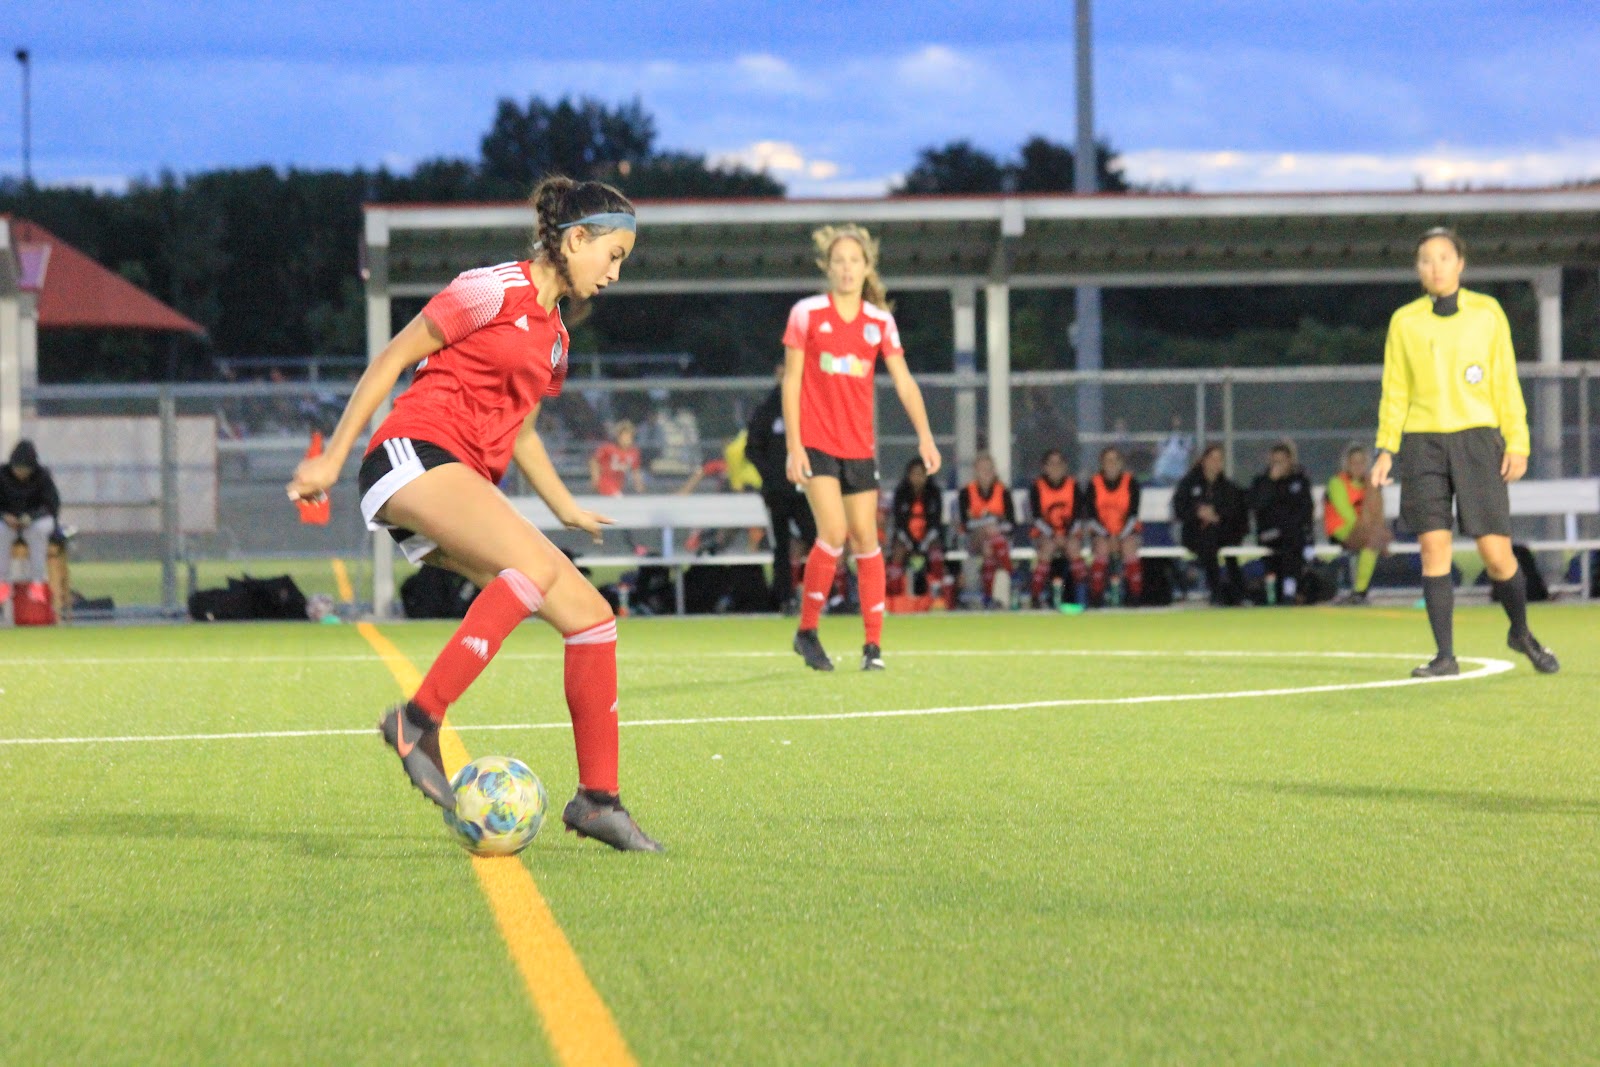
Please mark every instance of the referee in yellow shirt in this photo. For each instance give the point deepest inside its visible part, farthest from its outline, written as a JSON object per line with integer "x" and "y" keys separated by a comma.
{"x": 1453, "y": 411}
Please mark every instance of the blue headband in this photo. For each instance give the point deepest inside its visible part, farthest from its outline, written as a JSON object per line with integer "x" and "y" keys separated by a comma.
{"x": 617, "y": 220}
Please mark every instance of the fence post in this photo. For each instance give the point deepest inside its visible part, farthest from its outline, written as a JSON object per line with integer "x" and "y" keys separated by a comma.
{"x": 1583, "y": 421}
{"x": 168, "y": 412}
{"x": 1199, "y": 416}
{"x": 1227, "y": 421}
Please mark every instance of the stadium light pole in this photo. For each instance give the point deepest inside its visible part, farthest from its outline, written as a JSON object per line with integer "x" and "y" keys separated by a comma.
{"x": 1085, "y": 179}
{"x": 27, "y": 118}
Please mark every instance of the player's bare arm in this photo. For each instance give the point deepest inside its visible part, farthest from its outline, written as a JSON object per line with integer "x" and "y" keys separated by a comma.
{"x": 413, "y": 344}
{"x": 798, "y": 468}
{"x": 910, "y": 394}
{"x": 534, "y": 462}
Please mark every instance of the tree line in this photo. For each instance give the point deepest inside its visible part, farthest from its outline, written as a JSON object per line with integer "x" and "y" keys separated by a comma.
{"x": 266, "y": 259}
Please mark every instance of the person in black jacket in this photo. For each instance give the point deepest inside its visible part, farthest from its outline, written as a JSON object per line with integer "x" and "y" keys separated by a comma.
{"x": 793, "y": 526}
{"x": 29, "y": 505}
{"x": 1213, "y": 516}
{"x": 918, "y": 523}
{"x": 1280, "y": 499}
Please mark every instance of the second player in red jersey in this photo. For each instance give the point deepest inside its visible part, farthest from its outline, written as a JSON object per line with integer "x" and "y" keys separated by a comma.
{"x": 487, "y": 351}
{"x": 831, "y": 350}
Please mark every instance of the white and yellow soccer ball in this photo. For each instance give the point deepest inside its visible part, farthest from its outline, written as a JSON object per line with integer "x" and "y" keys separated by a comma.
{"x": 500, "y": 805}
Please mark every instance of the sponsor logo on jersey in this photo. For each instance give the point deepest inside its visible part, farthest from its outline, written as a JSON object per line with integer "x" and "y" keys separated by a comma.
{"x": 871, "y": 333}
{"x": 555, "y": 354}
{"x": 1474, "y": 374}
{"x": 826, "y": 327}
{"x": 849, "y": 366}
{"x": 522, "y": 323}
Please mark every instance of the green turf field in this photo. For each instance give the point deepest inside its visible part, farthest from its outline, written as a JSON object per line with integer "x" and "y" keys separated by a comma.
{"x": 1403, "y": 874}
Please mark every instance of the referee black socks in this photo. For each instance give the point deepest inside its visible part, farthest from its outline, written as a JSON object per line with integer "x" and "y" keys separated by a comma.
{"x": 1513, "y": 596}
{"x": 1440, "y": 595}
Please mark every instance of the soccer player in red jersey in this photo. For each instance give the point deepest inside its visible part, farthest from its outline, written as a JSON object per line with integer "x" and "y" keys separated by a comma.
{"x": 1111, "y": 511}
{"x": 1057, "y": 533}
{"x": 487, "y": 351}
{"x": 831, "y": 350}
{"x": 614, "y": 461}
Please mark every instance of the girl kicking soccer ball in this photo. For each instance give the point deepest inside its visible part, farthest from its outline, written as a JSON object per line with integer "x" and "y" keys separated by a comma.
{"x": 487, "y": 351}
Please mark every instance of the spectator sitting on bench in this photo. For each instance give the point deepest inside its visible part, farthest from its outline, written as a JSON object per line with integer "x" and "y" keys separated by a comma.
{"x": 1280, "y": 499}
{"x": 918, "y": 531}
{"x": 29, "y": 505}
{"x": 1352, "y": 516}
{"x": 1211, "y": 510}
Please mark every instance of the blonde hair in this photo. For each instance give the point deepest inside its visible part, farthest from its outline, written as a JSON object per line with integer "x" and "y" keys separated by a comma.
{"x": 825, "y": 238}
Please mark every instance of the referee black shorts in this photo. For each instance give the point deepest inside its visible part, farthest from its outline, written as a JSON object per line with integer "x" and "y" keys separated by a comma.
{"x": 1437, "y": 470}
{"x": 855, "y": 475}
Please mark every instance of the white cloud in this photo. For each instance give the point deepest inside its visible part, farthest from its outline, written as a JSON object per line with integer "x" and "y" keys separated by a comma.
{"x": 1438, "y": 167}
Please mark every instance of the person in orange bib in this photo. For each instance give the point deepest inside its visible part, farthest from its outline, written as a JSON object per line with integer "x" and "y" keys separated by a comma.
{"x": 987, "y": 517}
{"x": 1352, "y": 516}
{"x": 1111, "y": 512}
{"x": 918, "y": 518}
{"x": 1054, "y": 499}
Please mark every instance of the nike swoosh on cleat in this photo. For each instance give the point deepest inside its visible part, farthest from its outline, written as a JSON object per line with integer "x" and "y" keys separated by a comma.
{"x": 400, "y": 745}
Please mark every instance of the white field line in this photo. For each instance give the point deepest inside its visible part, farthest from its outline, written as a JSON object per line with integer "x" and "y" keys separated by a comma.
{"x": 623, "y": 653}
{"x": 1486, "y": 668}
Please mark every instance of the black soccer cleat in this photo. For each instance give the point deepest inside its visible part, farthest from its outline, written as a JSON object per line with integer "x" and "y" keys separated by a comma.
{"x": 414, "y": 737}
{"x": 872, "y": 658}
{"x": 1440, "y": 666}
{"x": 602, "y": 817}
{"x": 1544, "y": 661}
{"x": 809, "y": 645}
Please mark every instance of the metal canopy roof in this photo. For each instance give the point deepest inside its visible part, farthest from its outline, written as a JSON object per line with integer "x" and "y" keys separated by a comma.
{"x": 1026, "y": 241}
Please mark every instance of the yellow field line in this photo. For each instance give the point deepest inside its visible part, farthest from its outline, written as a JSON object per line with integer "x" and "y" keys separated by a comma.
{"x": 341, "y": 578}
{"x": 577, "y": 1022}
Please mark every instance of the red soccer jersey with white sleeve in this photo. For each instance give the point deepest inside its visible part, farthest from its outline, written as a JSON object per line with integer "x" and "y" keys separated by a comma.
{"x": 836, "y": 384}
{"x": 503, "y": 354}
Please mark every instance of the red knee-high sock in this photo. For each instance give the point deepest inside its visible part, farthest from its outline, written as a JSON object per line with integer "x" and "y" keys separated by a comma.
{"x": 820, "y": 565}
{"x": 1041, "y": 577}
{"x": 869, "y": 579}
{"x": 1097, "y": 579}
{"x": 1133, "y": 572}
{"x": 591, "y": 681}
{"x": 504, "y": 602}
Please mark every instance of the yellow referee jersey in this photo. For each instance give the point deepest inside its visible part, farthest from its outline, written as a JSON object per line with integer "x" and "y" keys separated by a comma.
{"x": 1447, "y": 373}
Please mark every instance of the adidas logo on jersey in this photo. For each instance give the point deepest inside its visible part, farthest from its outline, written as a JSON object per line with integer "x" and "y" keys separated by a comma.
{"x": 478, "y": 646}
{"x": 522, "y": 323}
{"x": 826, "y": 327}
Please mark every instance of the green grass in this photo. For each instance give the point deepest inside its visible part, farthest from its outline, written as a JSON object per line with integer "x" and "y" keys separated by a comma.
{"x": 1363, "y": 876}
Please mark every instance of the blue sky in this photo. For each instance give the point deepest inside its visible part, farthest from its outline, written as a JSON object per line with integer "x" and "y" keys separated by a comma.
{"x": 837, "y": 98}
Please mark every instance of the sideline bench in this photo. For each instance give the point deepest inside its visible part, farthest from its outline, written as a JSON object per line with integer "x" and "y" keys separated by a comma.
{"x": 667, "y": 514}
{"x": 1569, "y": 499}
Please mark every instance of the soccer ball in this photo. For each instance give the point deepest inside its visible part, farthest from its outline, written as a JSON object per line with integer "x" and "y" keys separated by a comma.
{"x": 500, "y": 805}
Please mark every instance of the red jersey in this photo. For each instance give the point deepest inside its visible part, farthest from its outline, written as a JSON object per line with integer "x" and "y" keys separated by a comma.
{"x": 503, "y": 354}
{"x": 836, "y": 384}
{"x": 615, "y": 462}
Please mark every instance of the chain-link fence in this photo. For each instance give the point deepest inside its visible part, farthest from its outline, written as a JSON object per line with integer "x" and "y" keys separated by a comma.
{"x": 166, "y": 487}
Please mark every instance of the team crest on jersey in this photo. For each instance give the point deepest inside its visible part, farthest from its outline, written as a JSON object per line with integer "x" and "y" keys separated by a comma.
{"x": 555, "y": 354}
{"x": 1474, "y": 374}
{"x": 871, "y": 333}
